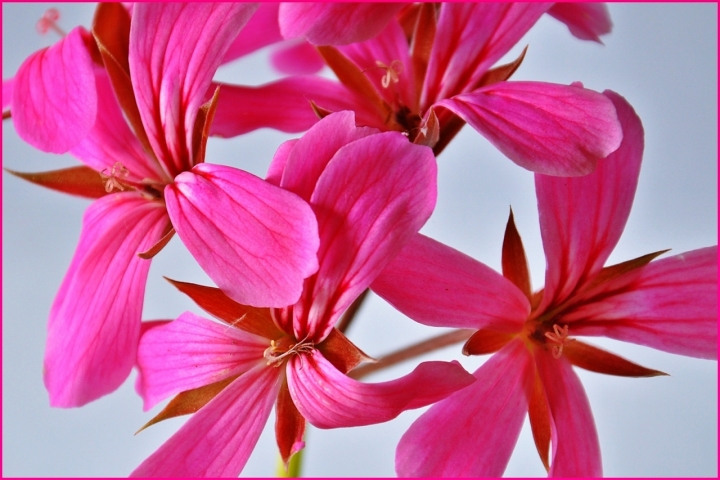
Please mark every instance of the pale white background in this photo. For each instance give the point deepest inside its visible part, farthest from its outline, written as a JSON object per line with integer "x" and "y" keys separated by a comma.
{"x": 661, "y": 57}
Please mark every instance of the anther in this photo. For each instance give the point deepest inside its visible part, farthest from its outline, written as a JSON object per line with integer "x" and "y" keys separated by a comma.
{"x": 278, "y": 350}
{"x": 560, "y": 338}
{"x": 118, "y": 171}
{"x": 48, "y": 21}
{"x": 392, "y": 72}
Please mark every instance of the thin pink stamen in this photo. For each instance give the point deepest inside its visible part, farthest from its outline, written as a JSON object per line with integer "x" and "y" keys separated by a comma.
{"x": 49, "y": 21}
{"x": 560, "y": 338}
{"x": 392, "y": 72}
{"x": 274, "y": 353}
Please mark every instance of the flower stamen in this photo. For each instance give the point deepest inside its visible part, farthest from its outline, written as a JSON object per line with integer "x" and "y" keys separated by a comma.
{"x": 392, "y": 72}
{"x": 560, "y": 338}
{"x": 48, "y": 22}
{"x": 112, "y": 181}
{"x": 279, "y": 350}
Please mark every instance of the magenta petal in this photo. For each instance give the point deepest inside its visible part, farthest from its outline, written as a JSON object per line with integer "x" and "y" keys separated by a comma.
{"x": 175, "y": 49}
{"x": 470, "y": 38}
{"x": 297, "y": 58}
{"x": 436, "y": 285}
{"x": 255, "y": 240}
{"x": 283, "y": 105}
{"x": 582, "y": 219}
{"x": 308, "y": 160}
{"x": 192, "y": 352}
{"x": 374, "y": 195}
{"x": 546, "y": 128}
{"x": 473, "y": 432}
{"x": 260, "y": 31}
{"x": 671, "y": 305}
{"x": 586, "y": 20}
{"x": 54, "y": 103}
{"x": 7, "y": 90}
{"x": 577, "y": 452}
{"x": 328, "y": 398}
{"x": 94, "y": 323}
{"x": 111, "y": 140}
{"x": 218, "y": 440}
{"x": 145, "y": 327}
{"x": 335, "y": 24}
{"x": 277, "y": 165}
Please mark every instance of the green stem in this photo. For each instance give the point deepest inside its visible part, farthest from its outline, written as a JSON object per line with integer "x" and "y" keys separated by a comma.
{"x": 294, "y": 466}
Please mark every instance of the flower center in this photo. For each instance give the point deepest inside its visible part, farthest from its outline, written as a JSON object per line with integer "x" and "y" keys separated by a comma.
{"x": 392, "y": 72}
{"x": 408, "y": 120}
{"x": 285, "y": 347}
{"x": 116, "y": 179}
{"x": 117, "y": 173}
{"x": 548, "y": 335}
{"x": 559, "y": 337}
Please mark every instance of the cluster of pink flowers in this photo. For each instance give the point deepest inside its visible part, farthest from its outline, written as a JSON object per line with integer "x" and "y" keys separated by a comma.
{"x": 338, "y": 213}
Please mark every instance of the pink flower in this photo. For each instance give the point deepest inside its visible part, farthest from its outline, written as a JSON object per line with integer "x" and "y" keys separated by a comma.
{"x": 257, "y": 241}
{"x": 371, "y": 192}
{"x": 335, "y": 23}
{"x": 344, "y": 23}
{"x": 669, "y": 304}
{"x": 428, "y": 73}
{"x": 55, "y": 104}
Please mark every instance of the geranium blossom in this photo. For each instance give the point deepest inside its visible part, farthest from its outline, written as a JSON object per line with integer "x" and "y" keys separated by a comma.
{"x": 255, "y": 240}
{"x": 371, "y": 192}
{"x": 670, "y": 304}
{"x": 343, "y": 23}
{"x": 428, "y": 73}
{"x": 56, "y": 102}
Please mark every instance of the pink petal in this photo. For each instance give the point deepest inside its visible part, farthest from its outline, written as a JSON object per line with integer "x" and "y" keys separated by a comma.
{"x": 53, "y": 103}
{"x": 373, "y": 196}
{"x": 473, "y": 432}
{"x": 145, "y": 327}
{"x": 390, "y": 48}
{"x": 111, "y": 140}
{"x": 292, "y": 57}
{"x": 577, "y": 449}
{"x": 260, "y": 31}
{"x": 327, "y": 398}
{"x": 436, "y": 285}
{"x": 335, "y": 24}
{"x": 670, "y": 304}
{"x": 297, "y": 58}
{"x": 581, "y": 219}
{"x": 277, "y": 165}
{"x": 218, "y": 440}
{"x": 470, "y": 38}
{"x": 192, "y": 352}
{"x": 283, "y": 105}
{"x": 587, "y": 21}
{"x": 310, "y": 157}
{"x": 175, "y": 49}
{"x": 7, "y": 90}
{"x": 256, "y": 241}
{"x": 94, "y": 323}
{"x": 546, "y": 128}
